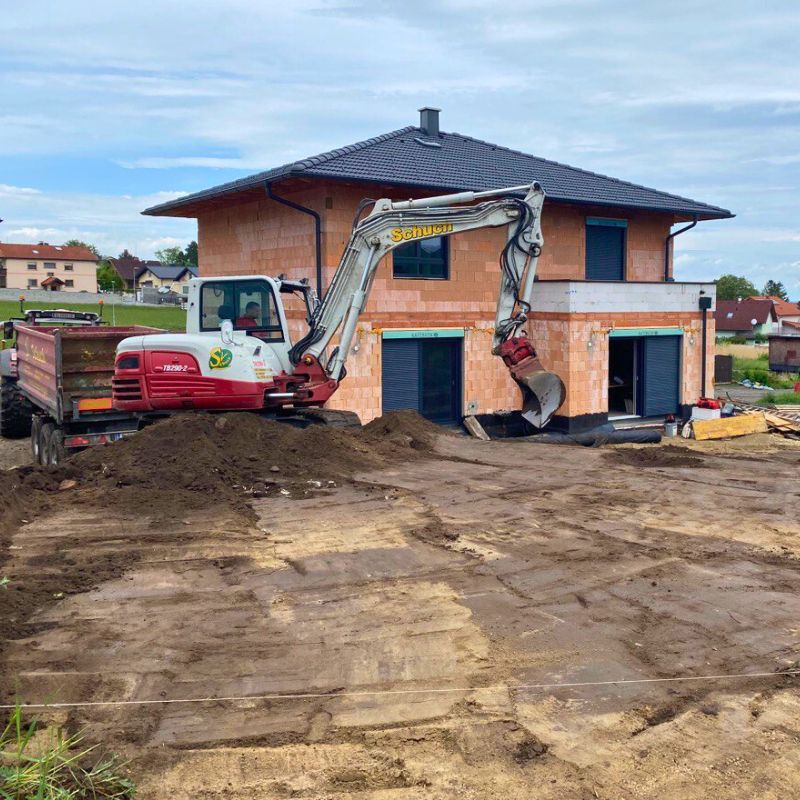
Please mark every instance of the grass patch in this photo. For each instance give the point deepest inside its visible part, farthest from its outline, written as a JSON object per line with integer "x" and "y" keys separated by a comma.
{"x": 757, "y": 370}
{"x": 167, "y": 317}
{"x": 45, "y": 764}
{"x": 780, "y": 399}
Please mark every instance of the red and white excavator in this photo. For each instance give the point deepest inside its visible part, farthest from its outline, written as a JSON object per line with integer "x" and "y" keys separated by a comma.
{"x": 236, "y": 353}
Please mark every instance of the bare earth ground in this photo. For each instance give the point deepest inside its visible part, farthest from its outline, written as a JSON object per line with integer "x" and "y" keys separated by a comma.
{"x": 487, "y": 567}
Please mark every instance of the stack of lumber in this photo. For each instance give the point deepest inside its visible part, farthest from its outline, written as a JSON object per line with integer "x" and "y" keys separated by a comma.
{"x": 779, "y": 421}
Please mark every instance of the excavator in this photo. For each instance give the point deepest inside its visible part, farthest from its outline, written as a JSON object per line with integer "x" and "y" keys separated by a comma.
{"x": 236, "y": 353}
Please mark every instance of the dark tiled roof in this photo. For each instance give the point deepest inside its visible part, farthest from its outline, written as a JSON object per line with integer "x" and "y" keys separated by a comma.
{"x": 167, "y": 272}
{"x": 128, "y": 267}
{"x": 731, "y": 315}
{"x": 455, "y": 162}
{"x": 783, "y": 308}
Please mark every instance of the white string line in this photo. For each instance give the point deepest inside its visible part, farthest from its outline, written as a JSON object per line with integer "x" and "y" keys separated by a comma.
{"x": 333, "y": 695}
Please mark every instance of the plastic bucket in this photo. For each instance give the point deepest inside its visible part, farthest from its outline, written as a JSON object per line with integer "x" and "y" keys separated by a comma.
{"x": 670, "y": 429}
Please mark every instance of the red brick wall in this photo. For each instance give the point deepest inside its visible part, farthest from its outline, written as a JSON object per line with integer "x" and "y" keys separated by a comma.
{"x": 263, "y": 236}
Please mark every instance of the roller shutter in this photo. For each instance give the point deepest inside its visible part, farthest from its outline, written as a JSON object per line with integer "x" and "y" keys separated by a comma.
{"x": 400, "y": 374}
{"x": 605, "y": 253}
{"x": 661, "y": 369}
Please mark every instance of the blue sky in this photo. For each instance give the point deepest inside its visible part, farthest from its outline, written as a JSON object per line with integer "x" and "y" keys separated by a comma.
{"x": 111, "y": 107}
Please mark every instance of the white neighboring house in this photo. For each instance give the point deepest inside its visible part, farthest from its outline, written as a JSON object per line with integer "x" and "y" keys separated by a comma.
{"x": 171, "y": 277}
{"x": 788, "y": 314}
{"x": 55, "y": 268}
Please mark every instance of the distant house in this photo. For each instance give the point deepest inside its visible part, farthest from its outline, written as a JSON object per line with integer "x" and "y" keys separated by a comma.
{"x": 127, "y": 267}
{"x": 788, "y": 314}
{"x": 171, "y": 276}
{"x": 751, "y": 317}
{"x": 54, "y": 268}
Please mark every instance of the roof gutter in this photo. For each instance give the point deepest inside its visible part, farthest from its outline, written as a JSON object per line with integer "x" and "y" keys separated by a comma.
{"x": 317, "y": 229}
{"x": 667, "y": 248}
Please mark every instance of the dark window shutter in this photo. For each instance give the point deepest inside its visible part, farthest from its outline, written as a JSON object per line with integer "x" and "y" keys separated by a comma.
{"x": 605, "y": 253}
{"x": 400, "y": 374}
{"x": 661, "y": 364}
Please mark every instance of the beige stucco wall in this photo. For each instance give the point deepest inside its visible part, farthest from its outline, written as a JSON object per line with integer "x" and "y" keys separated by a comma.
{"x": 83, "y": 274}
{"x": 148, "y": 278}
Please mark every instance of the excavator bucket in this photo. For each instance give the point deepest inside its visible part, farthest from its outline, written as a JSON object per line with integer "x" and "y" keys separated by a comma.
{"x": 543, "y": 392}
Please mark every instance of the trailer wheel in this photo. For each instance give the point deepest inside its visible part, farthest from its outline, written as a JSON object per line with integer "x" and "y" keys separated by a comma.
{"x": 45, "y": 432}
{"x": 55, "y": 448}
{"x": 36, "y": 431}
{"x": 15, "y": 411}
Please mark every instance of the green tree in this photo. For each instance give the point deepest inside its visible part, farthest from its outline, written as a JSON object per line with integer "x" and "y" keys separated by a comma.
{"x": 732, "y": 287}
{"x": 79, "y": 243}
{"x": 171, "y": 255}
{"x": 190, "y": 254}
{"x": 775, "y": 289}
{"x": 176, "y": 255}
{"x": 107, "y": 278}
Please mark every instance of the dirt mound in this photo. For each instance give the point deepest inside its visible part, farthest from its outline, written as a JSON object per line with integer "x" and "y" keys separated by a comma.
{"x": 668, "y": 455}
{"x": 213, "y": 459}
{"x": 406, "y": 428}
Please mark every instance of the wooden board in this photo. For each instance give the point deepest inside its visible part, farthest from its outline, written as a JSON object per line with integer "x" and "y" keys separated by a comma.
{"x": 728, "y": 427}
{"x": 476, "y": 429}
{"x": 782, "y": 424}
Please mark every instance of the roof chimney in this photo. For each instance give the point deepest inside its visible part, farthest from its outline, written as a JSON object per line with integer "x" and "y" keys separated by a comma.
{"x": 429, "y": 121}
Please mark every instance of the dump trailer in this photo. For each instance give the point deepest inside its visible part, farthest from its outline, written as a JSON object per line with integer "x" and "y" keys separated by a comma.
{"x": 55, "y": 382}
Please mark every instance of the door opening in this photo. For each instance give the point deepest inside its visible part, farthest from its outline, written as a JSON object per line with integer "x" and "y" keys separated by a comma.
{"x": 424, "y": 375}
{"x": 622, "y": 377}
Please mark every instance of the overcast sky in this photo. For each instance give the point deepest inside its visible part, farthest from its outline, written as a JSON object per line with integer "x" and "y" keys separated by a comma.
{"x": 109, "y": 107}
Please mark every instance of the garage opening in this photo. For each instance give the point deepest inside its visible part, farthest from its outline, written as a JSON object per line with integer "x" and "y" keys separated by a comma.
{"x": 423, "y": 375}
{"x": 622, "y": 377}
{"x": 644, "y": 374}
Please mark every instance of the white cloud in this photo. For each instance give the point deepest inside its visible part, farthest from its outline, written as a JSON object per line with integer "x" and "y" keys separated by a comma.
{"x": 697, "y": 99}
{"x": 6, "y": 190}
{"x": 110, "y": 222}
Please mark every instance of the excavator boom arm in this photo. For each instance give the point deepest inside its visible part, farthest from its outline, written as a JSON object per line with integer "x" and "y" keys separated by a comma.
{"x": 391, "y": 224}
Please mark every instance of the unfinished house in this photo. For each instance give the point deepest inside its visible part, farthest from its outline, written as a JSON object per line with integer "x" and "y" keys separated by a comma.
{"x": 608, "y": 317}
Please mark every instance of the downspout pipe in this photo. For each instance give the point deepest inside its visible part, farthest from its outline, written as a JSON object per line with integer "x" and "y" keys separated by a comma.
{"x": 317, "y": 229}
{"x": 705, "y": 305}
{"x": 668, "y": 242}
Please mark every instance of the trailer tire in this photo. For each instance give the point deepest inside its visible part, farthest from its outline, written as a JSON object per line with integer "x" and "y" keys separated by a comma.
{"x": 45, "y": 432}
{"x": 36, "y": 430}
{"x": 15, "y": 411}
{"x": 56, "y": 452}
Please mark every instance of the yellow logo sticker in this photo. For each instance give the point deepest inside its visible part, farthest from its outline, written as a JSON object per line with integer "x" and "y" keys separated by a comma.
{"x": 219, "y": 358}
{"x": 420, "y": 231}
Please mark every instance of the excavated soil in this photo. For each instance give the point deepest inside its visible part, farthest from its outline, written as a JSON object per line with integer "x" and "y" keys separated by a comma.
{"x": 665, "y": 456}
{"x": 448, "y": 618}
{"x": 185, "y": 463}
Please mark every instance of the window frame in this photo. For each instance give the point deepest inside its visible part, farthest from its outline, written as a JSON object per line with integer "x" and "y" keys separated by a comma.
{"x": 606, "y": 222}
{"x": 270, "y": 329}
{"x": 445, "y": 241}
{"x": 69, "y": 268}
{"x": 69, "y": 283}
{"x": 33, "y": 283}
{"x": 33, "y": 265}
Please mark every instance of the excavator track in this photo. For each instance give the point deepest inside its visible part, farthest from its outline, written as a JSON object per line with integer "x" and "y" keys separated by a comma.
{"x": 322, "y": 416}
